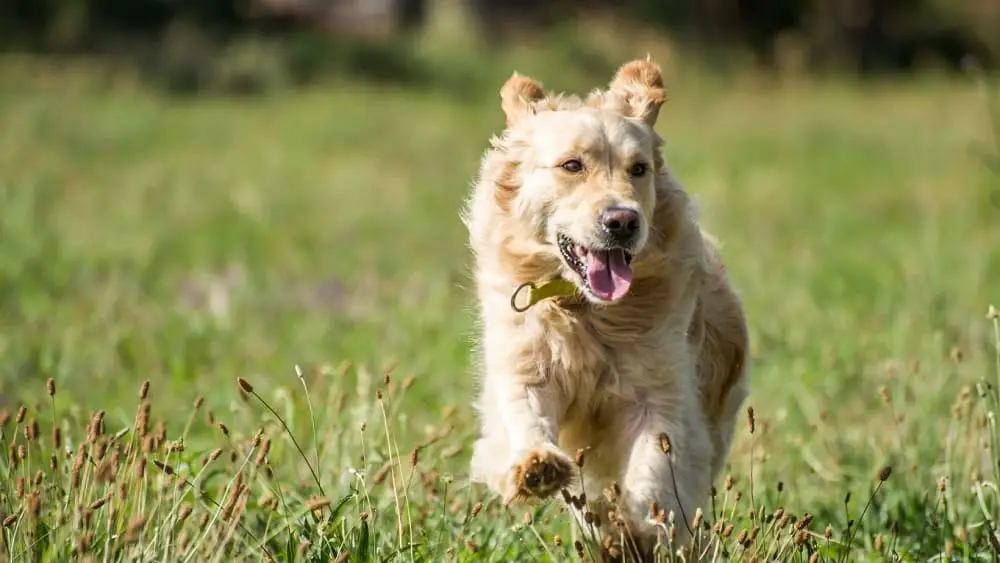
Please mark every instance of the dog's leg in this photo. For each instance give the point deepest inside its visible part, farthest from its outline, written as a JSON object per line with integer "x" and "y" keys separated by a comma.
{"x": 669, "y": 469}
{"x": 517, "y": 455}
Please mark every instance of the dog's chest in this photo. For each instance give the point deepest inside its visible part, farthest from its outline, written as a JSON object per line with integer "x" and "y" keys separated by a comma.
{"x": 592, "y": 368}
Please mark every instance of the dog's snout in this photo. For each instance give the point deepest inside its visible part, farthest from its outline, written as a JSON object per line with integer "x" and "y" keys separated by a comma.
{"x": 621, "y": 224}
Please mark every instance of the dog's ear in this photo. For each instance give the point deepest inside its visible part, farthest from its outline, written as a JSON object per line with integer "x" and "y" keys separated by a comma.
{"x": 640, "y": 85}
{"x": 517, "y": 95}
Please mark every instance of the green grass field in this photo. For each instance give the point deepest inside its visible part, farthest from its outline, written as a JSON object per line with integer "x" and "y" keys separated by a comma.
{"x": 190, "y": 241}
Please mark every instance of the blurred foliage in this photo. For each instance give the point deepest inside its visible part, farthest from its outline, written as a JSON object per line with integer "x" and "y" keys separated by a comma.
{"x": 864, "y": 36}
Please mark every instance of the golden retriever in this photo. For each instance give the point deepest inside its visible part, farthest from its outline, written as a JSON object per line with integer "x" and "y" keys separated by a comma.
{"x": 608, "y": 323}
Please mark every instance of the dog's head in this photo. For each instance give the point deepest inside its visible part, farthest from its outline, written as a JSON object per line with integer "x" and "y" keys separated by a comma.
{"x": 578, "y": 177}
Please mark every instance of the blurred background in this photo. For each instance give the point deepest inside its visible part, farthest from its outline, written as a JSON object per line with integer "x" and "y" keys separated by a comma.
{"x": 195, "y": 190}
{"x": 184, "y": 40}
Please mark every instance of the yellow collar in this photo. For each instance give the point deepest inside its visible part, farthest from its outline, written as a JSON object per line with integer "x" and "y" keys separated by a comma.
{"x": 552, "y": 288}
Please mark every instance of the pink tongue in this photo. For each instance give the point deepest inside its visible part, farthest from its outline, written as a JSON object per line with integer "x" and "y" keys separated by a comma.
{"x": 608, "y": 274}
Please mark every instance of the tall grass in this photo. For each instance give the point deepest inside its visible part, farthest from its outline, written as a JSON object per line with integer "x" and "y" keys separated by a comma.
{"x": 104, "y": 489}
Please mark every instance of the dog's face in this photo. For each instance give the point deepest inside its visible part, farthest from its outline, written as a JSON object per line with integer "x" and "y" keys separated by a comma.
{"x": 587, "y": 175}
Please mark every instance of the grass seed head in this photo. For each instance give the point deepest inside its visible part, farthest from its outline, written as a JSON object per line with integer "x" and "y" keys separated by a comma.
{"x": 34, "y": 503}
{"x": 94, "y": 429}
{"x": 751, "y": 421}
{"x": 142, "y": 419}
{"x": 578, "y": 458}
{"x": 475, "y": 509}
{"x": 884, "y": 473}
{"x": 21, "y": 412}
{"x": 144, "y": 390}
{"x": 50, "y": 387}
{"x": 105, "y": 472}
{"x": 160, "y": 433}
{"x": 263, "y": 451}
{"x": 100, "y": 502}
{"x": 244, "y": 385}
{"x": 698, "y": 515}
{"x": 135, "y": 527}
{"x": 317, "y": 503}
{"x": 804, "y": 522}
{"x": 166, "y": 468}
{"x": 784, "y": 520}
{"x": 99, "y": 449}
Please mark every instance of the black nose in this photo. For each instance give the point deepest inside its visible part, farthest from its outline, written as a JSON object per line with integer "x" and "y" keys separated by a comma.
{"x": 620, "y": 224}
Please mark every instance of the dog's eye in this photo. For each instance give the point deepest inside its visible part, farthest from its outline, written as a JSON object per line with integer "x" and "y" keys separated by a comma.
{"x": 638, "y": 169}
{"x": 572, "y": 166}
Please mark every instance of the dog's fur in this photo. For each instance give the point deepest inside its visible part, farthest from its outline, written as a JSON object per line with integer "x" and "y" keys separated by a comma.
{"x": 668, "y": 362}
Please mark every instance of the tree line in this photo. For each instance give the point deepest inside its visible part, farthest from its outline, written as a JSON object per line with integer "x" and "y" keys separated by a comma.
{"x": 867, "y": 35}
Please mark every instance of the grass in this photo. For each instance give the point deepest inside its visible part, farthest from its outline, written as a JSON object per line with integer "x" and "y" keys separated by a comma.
{"x": 156, "y": 249}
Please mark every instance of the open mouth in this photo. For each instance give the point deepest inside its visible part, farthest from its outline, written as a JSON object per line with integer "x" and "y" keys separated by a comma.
{"x": 606, "y": 272}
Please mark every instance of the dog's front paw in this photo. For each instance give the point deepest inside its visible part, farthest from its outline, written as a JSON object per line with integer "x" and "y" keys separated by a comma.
{"x": 539, "y": 474}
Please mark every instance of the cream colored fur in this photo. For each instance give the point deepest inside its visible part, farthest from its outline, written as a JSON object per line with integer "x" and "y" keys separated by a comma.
{"x": 669, "y": 359}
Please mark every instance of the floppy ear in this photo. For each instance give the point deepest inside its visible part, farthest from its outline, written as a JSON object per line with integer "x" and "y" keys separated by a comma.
{"x": 640, "y": 85}
{"x": 517, "y": 95}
